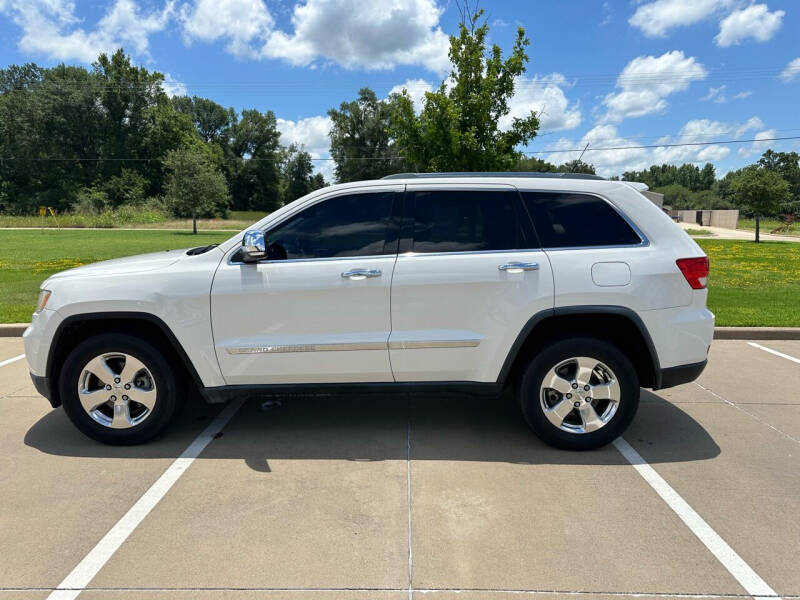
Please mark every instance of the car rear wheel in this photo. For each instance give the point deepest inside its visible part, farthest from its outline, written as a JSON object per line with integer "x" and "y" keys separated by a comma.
{"x": 118, "y": 389}
{"x": 579, "y": 393}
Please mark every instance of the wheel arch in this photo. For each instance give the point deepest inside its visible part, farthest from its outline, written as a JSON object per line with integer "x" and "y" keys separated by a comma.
{"x": 76, "y": 328}
{"x": 616, "y": 324}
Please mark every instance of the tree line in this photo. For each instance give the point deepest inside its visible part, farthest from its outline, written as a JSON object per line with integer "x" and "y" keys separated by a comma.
{"x": 91, "y": 139}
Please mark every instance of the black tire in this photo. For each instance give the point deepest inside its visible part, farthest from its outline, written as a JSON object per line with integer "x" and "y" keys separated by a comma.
{"x": 529, "y": 390}
{"x": 166, "y": 388}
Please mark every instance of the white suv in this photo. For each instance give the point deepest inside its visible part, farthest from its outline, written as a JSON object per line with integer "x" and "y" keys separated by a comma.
{"x": 573, "y": 289}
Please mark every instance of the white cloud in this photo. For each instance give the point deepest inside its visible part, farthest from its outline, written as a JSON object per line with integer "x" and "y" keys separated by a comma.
{"x": 654, "y": 19}
{"x": 312, "y": 134}
{"x": 541, "y": 94}
{"x": 791, "y": 71}
{"x": 380, "y": 34}
{"x": 646, "y": 82}
{"x": 245, "y": 24}
{"x": 544, "y": 96}
{"x": 606, "y": 162}
{"x": 718, "y": 95}
{"x": 755, "y": 21}
{"x": 715, "y": 94}
{"x": 607, "y": 18}
{"x": 50, "y": 28}
{"x": 758, "y": 147}
{"x": 173, "y": 87}
{"x": 703, "y": 130}
{"x": 615, "y": 162}
{"x": 415, "y": 88}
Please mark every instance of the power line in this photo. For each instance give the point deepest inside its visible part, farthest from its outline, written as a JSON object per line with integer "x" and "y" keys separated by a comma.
{"x": 559, "y": 151}
{"x": 643, "y": 147}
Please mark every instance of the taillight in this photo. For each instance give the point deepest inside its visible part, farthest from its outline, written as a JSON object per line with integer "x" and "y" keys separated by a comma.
{"x": 695, "y": 270}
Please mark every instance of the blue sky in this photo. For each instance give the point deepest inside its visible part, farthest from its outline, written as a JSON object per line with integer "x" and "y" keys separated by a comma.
{"x": 608, "y": 73}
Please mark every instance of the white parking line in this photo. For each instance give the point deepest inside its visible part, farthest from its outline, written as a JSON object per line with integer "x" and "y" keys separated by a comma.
{"x": 735, "y": 564}
{"x": 11, "y": 360}
{"x": 85, "y": 571}
{"x": 775, "y": 352}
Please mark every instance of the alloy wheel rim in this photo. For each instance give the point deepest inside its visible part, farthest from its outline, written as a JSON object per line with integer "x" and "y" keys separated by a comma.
{"x": 117, "y": 390}
{"x": 580, "y": 395}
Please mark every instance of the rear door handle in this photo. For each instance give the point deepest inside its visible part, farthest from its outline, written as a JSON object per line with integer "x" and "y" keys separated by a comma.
{"x": 358, "y": 274}
{"x": 518, "y": 267}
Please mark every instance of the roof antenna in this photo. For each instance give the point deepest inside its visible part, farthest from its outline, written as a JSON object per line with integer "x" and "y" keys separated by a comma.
{"x": 575, "y": 164}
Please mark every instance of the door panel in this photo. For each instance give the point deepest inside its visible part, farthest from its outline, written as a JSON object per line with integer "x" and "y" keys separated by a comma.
{"x": 465, "y": 283}
{"x": 317, "y": 310}
{"x": 455, "y": 317}
{"x": 302, "y": 322}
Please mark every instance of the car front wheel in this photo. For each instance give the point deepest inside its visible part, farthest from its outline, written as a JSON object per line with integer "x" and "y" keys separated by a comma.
{"x": 579, "y": 393}
{"x": 118, "y": 389}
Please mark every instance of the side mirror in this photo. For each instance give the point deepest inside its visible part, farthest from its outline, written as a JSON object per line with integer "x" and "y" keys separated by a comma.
{"x": 254, "y": 246}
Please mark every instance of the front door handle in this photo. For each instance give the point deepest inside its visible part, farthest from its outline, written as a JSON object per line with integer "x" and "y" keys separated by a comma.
{"x": 358, "y": 274}
{"x": 518, "y": 267}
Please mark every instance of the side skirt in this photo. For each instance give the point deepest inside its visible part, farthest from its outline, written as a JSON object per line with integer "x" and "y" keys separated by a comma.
{"x": 217, "y": 395}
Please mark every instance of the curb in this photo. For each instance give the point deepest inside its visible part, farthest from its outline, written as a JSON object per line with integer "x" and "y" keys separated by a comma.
{"x": 12, "y": 329}
{"x": 757, "y": 333}
{"x": 720, "y": 333}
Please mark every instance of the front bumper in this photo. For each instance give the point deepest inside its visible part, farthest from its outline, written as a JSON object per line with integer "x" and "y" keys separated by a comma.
{"x": 673, "y": 376}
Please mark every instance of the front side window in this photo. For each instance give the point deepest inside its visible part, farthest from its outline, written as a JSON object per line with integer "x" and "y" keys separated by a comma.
{"x": 351, "y": 225}
{"x": 571, "y": 220}
{"x": 466, "y": 221}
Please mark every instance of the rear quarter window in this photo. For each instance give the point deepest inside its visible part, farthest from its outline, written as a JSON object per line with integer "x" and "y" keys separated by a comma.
{"x": 571, "y": 220}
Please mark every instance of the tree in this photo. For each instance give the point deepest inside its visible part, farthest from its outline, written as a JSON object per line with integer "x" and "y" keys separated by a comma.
{"x": 212, "y": 121}
{"x": 361, "y": 145}
{"x": 787, "y": 165}
{"x": 708, "y": 176}
{"x": 318, "y": 182}
{"x": 577, "y": 166}
{"x": 194, "y": 186}
{"x": 297, "y": 174}
{"x": 532, "y": 164}
{"x": 761, "y": 191}
{"x": 458, "y": 128}
{"x": 251, "y": 162}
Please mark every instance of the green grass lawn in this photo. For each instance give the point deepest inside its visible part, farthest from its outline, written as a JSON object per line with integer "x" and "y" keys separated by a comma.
{"x": 691, "y": 231}
{"x": 754, "y": 284}
{"x": 750, "y": 284}
{"x": 28, "y": 257}
{"x": 236, "y": 221}
{"x": 768, "y": 225}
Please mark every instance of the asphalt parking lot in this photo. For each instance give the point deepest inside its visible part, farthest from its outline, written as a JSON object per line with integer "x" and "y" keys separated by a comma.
{"x": 436, "y": 497}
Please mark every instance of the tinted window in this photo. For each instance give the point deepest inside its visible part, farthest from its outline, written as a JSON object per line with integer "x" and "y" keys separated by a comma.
{"x": 354, "y": 225}
{"x": 466, "y": 221}
{"x": 575, "y": 220}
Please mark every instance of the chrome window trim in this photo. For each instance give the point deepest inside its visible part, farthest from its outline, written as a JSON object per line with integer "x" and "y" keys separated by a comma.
{"x": 471, "y": 252}
{"x": 645, "y": 242}
{"x": 305, "y": 260}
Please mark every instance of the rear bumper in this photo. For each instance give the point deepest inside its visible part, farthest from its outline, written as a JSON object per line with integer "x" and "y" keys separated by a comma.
{"x": 673, "y": 376}
{"x": 42, "y": 385}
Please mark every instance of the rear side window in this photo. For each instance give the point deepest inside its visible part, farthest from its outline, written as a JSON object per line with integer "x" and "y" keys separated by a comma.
{"x": 466, "y": 221}
{"x": 567, "y": 220}
{"x": 351, "y": 225}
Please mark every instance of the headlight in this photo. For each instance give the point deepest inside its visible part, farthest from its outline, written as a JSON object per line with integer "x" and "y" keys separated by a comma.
{"x": 44, "y": 296}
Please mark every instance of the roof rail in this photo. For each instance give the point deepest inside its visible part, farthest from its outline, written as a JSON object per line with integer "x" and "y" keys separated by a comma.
{"x": 512, "y": 174}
